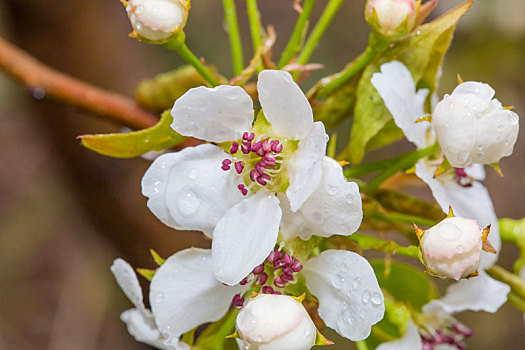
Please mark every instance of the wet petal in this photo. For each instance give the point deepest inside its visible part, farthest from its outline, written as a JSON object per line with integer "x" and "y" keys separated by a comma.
{"x": 185, "y": 294}
{"x": 475, "y": 95}
{"x": 128, "y": 282}
{"x": 284, "y": 104}
{"x": 398, "y": 90}
{"x": 410, "y": 340}
{"x": 481, "y": 293}
{"x": 245, "y": 236}
{"x": 334, "y": 208}
{"x": 216, "y": 114}
{"x": 143, "y": 328}
{"x": 304, "y": 167}
{"x": 468, "y": 202}
{"x": 350, "y": 300}
{"x": 188, "y": 190}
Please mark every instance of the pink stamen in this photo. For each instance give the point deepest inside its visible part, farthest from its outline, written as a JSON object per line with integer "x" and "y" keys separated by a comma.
{"x": 287, "y": 259}
{"x": 226, "y": 162}
{"x": 298, "y": 268}
{"x": 266, "y": 146}
{"x": 258, "y": 166}
{"x": 276, "y": 146}
{"x": 245, "y": 149}
{"x": 254, "y": 174}
{"x": 250, "y": 136}
{"x": 267, "y": 290}
{"x": 286, "y": 277}
{"x": 239, "y": 166}
{"x": 279, "y": 282}
{"x": 258, "y": 269}
{"x": 256, "y": 146}
{"x": 238, "y": 301}
{"x": 225, "y": 167}
{"x": 260, "y": 152}
{"x": 279, "y": 264}
{"x": 243, "y": 190}
{"x": 243, "y": 281}
{"x": 263, "y": 278}
{"x": 234, "y": 148}
{"x": 261, "y": 181}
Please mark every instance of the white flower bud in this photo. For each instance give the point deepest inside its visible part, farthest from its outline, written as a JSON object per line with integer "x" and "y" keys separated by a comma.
{"x": 275, "y": 322}
{"x": 452, "y": 248}
{"x": 157, "y": 20}
{"x": 387, "y": 16}
{"x": 472, "y": 127}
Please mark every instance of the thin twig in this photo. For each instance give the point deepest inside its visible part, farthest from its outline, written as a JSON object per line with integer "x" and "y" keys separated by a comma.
{"x": 45, "y": 81}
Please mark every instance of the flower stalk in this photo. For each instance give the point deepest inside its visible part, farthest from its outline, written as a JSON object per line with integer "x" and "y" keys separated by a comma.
{"x": 230, "y": 16}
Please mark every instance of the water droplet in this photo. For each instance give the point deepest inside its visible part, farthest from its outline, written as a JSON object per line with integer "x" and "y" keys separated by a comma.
{"x": 247, "y": 321}
{"x": 376, "y": 298}
{"x": 349, "y": 198}
{"x": 516, "y": 230}
{"x": 365, "y": 297}
{"x": 156, "y": 186}
{"x": 38, "y": 93}
{"x": 336, "y": 283}
{"x": 418, "y": 32}
{"x": 188, "y": 203}
{"x": 480, "y": 155}
{"x": 463, "y": 156}
{"x": 449, "y": 232}
{"x": 460, "y": 249}
{"x": 193, "y": 174}
{"x": 331, "y": 189}
{"x": 356, "y": 283}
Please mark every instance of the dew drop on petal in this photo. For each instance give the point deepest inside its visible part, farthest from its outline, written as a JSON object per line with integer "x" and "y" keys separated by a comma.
{"x": 349, "y": 198}
{"x": 193, "y": 174}
{"x": 331, "y": 189}
{"x": 156, "y": 186}
{"x": 365, "y": 297}
{"x": 188, "y": 203}
{"x": 376, "y": 298}
{"x": 460, "y": 249}
{"x": 159, "y": 297}
{"x": 449, "y": 232}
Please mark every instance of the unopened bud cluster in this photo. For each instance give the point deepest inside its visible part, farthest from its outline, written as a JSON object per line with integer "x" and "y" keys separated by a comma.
{"x": 391, "y": 18}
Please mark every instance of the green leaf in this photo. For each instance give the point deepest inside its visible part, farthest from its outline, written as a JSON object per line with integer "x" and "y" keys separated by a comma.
{"x": 136, "y": 143}
{"x": 405, "y": 283}
{"x": 214, "y": 336}
{"x": 160, "y": 93}
{"x": 422, "y": 52}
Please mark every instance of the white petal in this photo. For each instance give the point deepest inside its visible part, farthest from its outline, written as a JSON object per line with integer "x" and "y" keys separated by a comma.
{"x": 481, "y": 293}
{"x": 127, "y": 280}
{"x": 304, "y": 167}
{"x": 188, "y": 190}
{"x": 216, "y": 114}
{"x": 398, "y": 90}
{"x": 334, "y": 208}
{"x": 350, "y": 300}
{"x": 468, "y": 202}
{"x": 143, "y": 328}
{"x": 475, "y": 95}
{"x": 284, "y": 104}
{"x": 410, "y": 340}
{"x": 245, "y": 236}
{"x": 185, "y": 294}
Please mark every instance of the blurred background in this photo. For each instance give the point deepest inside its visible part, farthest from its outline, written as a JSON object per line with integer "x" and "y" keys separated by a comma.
{"x": 66, "y": 213}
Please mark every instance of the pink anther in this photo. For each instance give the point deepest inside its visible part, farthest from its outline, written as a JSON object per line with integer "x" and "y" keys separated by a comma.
{"x": 256, "y": 146}
{"x": 263, "y": 278}
{"x": 254, "y": 174}
{"x": 258, "y": 269}
{"x": 286, "y": 277}
{"x": 276, "y": 146}
{"x": 266, "y": 146}
{"x": 279, "y": 282}
{"x": 239, "y": 166}
{"x": 234, "y": 148}
{"x": 287, "y": 259}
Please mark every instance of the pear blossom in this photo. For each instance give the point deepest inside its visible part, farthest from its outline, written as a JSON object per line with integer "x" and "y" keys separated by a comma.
{"x": 460, "y": 189}
{"x": 157, "y": 20}
{"x": 185, "y": 294}
{"x": 473, "y": 127}
{"x": 452, "y": 248}
{"x": 275, "y": 322}
{"x": 274, "y": 174}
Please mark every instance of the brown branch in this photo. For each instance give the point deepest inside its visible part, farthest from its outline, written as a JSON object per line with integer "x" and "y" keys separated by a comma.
{"x": 45, "y": 81}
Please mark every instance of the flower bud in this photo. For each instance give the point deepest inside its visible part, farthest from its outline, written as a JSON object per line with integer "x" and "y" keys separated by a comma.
{"x": 452, "y": 248}
{"x": 472, "y": 127}
{"x": 275, "y": 322}
{"x": 392, "y": 18}
{"x": 156, "y": 21}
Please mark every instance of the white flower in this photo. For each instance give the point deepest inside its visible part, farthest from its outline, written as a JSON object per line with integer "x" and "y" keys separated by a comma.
{"x": 183, "y": 295}
{"x": 452, "y": 248}
{"x": 471, "y": 200}
{"x": 231, "y": 196}
{"x": 157, "y": 20}
{"x": 392, "y": 13}
{"x": 473, "y": 127}
{"x": 410, "y": 340}
{"x": 275, "y": 322}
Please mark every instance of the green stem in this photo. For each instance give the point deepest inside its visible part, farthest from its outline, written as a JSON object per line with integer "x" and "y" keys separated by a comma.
{"x": 294, "y": 44}
{"x": 516, "y": 284}
{"x": 184, "y": 52}
{"x": 361, "y": 345}
{"x": 368, "y": 242}
{"x": 230, "y": 15}
{"x": 255, "y": 23}
{"x": 517, "y": 301}
{"x": 512, "y": 231}
{"x": 401, "y": 164}
{"x": 320, "y": 27}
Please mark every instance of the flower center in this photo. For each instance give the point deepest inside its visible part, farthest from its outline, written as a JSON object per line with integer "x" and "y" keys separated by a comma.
{"x": 283, "y": 266}
{"x": 462, "y": 178}
{"x": 452, "y": 336}
{"x": 258, "y": 160}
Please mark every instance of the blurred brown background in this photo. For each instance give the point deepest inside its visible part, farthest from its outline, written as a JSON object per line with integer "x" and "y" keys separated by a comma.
{"x": 66, "y": 213}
